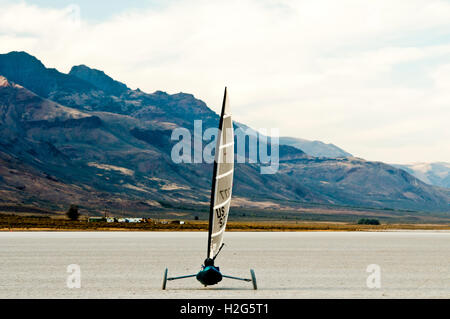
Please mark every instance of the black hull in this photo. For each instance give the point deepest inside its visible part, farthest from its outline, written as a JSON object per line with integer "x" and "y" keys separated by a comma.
{"x": 210, "y": 275}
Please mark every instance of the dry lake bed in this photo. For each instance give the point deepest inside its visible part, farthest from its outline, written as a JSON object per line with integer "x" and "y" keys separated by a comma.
{"x": 406, "y": 264}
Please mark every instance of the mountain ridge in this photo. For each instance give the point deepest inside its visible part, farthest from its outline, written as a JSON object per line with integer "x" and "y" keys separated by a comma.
{"x": 99, "y": 79}
{"x": 315, "y": 148}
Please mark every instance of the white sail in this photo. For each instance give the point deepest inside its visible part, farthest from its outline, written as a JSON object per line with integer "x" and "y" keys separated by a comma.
{"x": 222, "y": 180}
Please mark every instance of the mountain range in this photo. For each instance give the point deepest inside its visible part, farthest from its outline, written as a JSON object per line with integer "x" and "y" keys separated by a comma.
{"x": 315, "y": 148}
{"x": 437, "y": 173}
{"x": 88, "y": 139}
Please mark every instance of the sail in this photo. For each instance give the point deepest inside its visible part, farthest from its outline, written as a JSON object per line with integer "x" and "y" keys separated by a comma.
{"x": 222, "y": 180}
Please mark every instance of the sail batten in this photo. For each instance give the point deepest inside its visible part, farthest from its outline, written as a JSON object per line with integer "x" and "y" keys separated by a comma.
{"x": 222, "y": 204}
{"x": 227, "y": 145}
{"x": 224, "y": 174}
{"x": 222, "y": 180}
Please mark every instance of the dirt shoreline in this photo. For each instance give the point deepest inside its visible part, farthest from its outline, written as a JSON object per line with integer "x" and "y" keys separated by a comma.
{"x": 8, "y": 224}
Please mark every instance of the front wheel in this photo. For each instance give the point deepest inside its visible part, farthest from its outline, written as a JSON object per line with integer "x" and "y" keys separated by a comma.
{"x": 164, "y": 279}
{"x": 252, "y": 273}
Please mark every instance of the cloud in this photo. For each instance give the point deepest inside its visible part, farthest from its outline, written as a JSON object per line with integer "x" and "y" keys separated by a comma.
{"x": 333, "y": 71}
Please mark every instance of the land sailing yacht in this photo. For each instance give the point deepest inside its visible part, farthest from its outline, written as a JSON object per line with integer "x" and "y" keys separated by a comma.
{"x": 222, "y": 183}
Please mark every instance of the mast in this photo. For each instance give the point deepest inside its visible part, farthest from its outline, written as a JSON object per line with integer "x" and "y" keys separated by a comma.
{"x": 220, "y": 138}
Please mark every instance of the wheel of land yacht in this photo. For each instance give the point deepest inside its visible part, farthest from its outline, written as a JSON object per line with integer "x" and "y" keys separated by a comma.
{"x": 252, "y": 272}
{"x": 164, "y": 279}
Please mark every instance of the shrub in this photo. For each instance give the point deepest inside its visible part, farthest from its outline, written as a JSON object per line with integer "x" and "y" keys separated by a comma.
{"x": 368, "y": 221}
{"x": 73, "y": 213}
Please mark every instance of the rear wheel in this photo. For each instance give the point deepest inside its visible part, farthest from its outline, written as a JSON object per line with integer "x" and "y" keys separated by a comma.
{"x": 255, "y": 286}
{"x": 164, "y": 279}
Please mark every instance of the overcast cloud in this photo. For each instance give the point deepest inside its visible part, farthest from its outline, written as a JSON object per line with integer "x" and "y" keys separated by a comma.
{"x": 372, "y": 77}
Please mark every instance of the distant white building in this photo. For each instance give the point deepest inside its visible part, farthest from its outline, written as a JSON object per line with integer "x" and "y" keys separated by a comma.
{"x": 180, "y": 222}
{"x": 124, "y": 220}
{"x": 134, "y": 220}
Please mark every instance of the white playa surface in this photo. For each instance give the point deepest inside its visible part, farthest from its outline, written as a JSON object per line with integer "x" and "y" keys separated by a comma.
{"x": 287, "y": 264}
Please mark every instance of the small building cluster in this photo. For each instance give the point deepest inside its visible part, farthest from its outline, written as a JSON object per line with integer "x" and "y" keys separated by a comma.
{"x": 119, "y": 220}
{"x": 132, "y": 220}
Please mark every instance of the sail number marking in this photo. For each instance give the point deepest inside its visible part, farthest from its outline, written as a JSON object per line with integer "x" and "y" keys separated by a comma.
{"x": 220, "y": 213}
{"x": 225, "y": 193}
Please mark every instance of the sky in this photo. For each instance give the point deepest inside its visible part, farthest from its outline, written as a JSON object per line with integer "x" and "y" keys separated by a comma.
{"x": 372, "y": 77}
